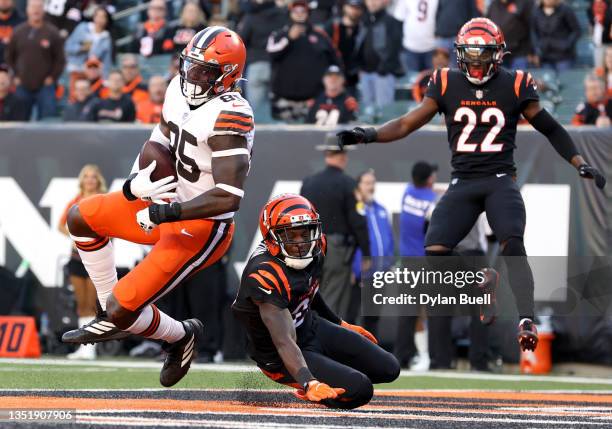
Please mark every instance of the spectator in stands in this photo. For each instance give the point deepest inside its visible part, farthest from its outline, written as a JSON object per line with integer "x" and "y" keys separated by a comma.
{"x": 263, "y": 17}
{"x": 419, "y": 41}
{"x": 81, "y": 109}
{"x": 150, "y": 34}
{"x": 514, "y": 18}
{"x": 91, "y": 182}
{"x": 439, "y": 60}
{"x": 36, "y": 55}
{"x": 605, "y": 72}
{"x": 148, "y": 111}
{"x": 300, "y": 54}
{"x": 117, "y": 106}
{"x": 554, "y": 33}
{"x": 322, "y": 11}
{"x": 12, "y": 107}
{"x": 597, "y": 108}
{"x": 600, "y": 18}
{"x": 9, "y": 19}
{"x": 450, "y": 16}
{"x": 135, "y": 85}
{"x": 191, "y": 21}
{"x": 378, "y": 46}
{"x": 90, "y": 39}
{"x": 334, "y": 105}
{"x": 343, "y": 33}
{"x": 173, "y": 68}
{"x": 93, "y": 73}
{"x": 65, "y": 15}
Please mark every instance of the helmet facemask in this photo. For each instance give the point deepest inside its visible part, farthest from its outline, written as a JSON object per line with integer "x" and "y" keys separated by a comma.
{"x": 479, "y": 63}
{"x": 201, "y": 81}
{"x": 299, "y": 242}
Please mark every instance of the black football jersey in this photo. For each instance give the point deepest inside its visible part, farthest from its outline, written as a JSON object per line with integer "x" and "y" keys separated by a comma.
{"x": 481, "y": 119}
{"x": 267, "y": 279}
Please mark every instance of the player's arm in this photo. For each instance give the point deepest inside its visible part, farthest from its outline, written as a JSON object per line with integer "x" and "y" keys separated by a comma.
{"x": 393, "y": 130}
{"x": 561, "y": 141}
{"x": 280, "y": 325}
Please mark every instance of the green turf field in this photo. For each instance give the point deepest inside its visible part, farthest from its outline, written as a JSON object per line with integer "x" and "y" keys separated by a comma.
{"x": 83, "y": 376}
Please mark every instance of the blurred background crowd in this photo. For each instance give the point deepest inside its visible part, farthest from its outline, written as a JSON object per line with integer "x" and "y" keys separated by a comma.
{"x": 323, "y": 62}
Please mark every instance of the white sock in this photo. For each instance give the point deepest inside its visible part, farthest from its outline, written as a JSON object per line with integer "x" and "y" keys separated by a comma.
{"x": 85, "y": 320}
{"x": 100, "y": 265}
{"x": 420, "y": 341}
{"x": 155, "y": 324}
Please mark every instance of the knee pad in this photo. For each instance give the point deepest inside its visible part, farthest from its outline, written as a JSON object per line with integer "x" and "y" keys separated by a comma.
{"x": 514, "y": 247}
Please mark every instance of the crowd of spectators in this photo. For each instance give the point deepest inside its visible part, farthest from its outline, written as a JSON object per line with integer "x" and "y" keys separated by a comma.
{"x": 61, "y": 57}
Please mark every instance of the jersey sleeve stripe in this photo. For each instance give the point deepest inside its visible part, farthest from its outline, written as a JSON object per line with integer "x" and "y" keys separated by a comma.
{"x": 517, "y": 82}
{"x": 231, "y": 120}
{"x": 444, "y": 76}
{"x": 239, "y": 114}
{"x": 282, "y": 276}
{"x": 233, "y": 128}
{"x": 260, "y": 280}
{"x": 270, "y": 277}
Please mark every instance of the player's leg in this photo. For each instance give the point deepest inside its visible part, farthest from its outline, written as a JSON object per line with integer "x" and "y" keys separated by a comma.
{"x": 92, "y": 222}
{"x": 183, "y": 248}
{"x": 506, "y": 215}
{"x": 355, "y": 351}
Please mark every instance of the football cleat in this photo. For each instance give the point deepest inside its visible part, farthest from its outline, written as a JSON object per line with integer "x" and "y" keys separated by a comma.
{"x": 98, "y": 330}
{"x": 180, "y": 354}
{"x": 527, "y": 335}
{"x": 489, "y": 287}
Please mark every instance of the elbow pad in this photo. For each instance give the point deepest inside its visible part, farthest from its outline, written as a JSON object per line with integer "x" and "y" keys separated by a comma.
{"x": 555, "y": 133}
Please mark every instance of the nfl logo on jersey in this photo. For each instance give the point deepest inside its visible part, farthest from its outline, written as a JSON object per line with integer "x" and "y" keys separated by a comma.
{"x": 479, "y": 94}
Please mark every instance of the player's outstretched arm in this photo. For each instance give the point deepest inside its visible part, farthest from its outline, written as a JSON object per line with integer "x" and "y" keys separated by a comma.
{"x": 280, "y": 325}
{"x": 393, "y": 130}
{"x": 560, "y": 139}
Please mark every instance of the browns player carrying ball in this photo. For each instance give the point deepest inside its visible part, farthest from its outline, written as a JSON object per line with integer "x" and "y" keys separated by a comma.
{"x": 208, "y": 128}
{"x": 482, "y": 104}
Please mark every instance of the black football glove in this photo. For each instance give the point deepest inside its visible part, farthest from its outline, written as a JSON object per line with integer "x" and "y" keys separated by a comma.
{"x": 355, "y": 136}
{"x": 588, "y": 172}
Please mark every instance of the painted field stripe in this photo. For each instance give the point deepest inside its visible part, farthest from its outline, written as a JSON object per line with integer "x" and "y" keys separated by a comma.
{"x": 507, "y": 377}
{"x": 512, "y": 396}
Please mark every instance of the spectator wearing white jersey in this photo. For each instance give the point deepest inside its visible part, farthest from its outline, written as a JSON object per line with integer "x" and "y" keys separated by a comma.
{"x": 419, "y": 24}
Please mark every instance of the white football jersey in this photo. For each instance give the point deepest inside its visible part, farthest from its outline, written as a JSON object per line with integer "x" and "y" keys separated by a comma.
{"x": 190, "y": 130}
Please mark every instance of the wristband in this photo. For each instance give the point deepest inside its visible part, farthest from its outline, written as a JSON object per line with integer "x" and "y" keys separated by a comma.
{"x": 160, "y": 213}
{"x": 127, "y": 192}
{"x": 369, "y": 134}
{"x": 304, "y": 376}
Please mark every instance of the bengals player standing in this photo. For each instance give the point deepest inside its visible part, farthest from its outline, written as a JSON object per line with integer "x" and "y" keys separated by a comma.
{"x": 291, "y": 343}
{"x": 482, "y": 104}
{"x": 208, "y": 127}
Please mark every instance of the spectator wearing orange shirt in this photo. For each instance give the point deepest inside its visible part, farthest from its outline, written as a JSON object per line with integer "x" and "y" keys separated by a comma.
{"x": 134, "y": 86}
{"x": 149, "y": 111}
{"x": 150, "y": 35}
{"x": 178, "y": 36}
{"x": 597, "y": 108}
{"x": 9, "y": 19}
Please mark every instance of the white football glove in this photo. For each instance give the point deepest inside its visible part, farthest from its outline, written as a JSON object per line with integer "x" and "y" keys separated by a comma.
{"x": 144, "y": 221}
{"x": 142, "y": 187}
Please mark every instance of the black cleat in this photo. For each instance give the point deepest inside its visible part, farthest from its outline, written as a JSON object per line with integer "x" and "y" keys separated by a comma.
{"x": 180, "y": 354}
{"x": 527, "y": 335}
{"x": 98, "y": 330}
{"x": 489, "y": 287}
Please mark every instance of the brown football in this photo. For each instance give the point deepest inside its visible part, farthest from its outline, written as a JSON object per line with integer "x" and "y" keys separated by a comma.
{"x": 165, "y": 162}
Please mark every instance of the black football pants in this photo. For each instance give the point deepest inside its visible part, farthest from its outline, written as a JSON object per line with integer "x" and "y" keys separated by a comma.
{"x": 343, "y": 358}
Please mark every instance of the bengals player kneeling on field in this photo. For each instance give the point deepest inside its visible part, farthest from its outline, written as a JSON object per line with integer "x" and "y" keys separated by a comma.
{"x": 208, "y": 128}
{"x": 294, "y": 338}
{"x": 482, "y": 104}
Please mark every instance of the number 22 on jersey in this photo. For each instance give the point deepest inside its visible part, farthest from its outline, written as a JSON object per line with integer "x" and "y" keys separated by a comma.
{"x": 487, "y": 145}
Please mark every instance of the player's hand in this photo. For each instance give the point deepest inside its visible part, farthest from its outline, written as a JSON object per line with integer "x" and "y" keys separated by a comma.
{"x": 588, "y": 172}
{"x": 143, "y": 218}
{"x": 317, "y": 391}
{"x": 142, "y": 187}
{"x": 355, "y": 136}
{"x": 360, "y": 331}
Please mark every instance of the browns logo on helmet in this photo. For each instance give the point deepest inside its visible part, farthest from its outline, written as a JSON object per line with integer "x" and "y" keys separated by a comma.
{"x": 480, "y": 48}
{"x": 211, "y": 64}
{"x": 291, "y": 228}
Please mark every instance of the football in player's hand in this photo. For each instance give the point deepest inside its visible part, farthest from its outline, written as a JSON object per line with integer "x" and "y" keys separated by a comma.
{"x": 165, "y": 167}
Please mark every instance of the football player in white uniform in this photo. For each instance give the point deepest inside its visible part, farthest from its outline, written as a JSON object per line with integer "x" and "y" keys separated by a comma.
{"x": 208, "y": 127}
